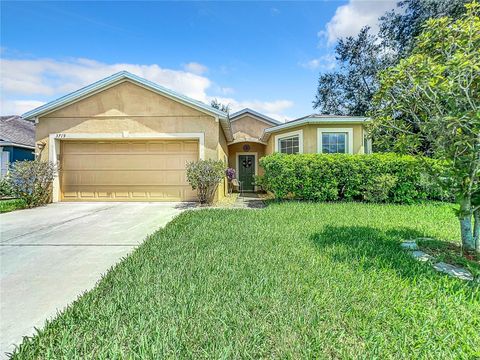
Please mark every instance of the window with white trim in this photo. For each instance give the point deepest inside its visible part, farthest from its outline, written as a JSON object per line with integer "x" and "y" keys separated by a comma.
{"x": 289, "y": 145}
{"x": 334, "y": 142}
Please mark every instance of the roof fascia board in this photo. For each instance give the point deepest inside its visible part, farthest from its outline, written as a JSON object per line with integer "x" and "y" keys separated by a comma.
{"x": 317, "y": 121}
{"x": 49, "y": 110}
{"x": 237, "y": 141}
{"x": 307, "y": 121}
{"x": 226, "y": 128}
{"x": 264, "y": 118}
{"x": 8, "y": 143}
{"x": 180, "y": 100}
{"x": 113, "y": 80}
{"x": 73, "y": 96}
{"x": 255, "y": 117}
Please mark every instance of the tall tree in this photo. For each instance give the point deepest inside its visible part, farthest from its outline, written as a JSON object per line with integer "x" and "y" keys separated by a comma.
{"x": 434, "y": 96}
{"x": 349, "y": 89}
{"x": 398, "y": 30}
{"x": 219, "y": 106}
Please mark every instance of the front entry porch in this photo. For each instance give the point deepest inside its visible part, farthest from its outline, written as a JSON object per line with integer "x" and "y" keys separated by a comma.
{"x": 244, "y": 158}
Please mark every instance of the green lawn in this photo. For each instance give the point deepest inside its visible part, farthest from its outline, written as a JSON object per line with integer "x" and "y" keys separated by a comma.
{"x": 294, "y": 280}
{"x": 11, "y": 204}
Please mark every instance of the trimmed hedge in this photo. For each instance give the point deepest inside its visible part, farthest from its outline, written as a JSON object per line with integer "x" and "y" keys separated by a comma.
{"x": 375, "y": 178}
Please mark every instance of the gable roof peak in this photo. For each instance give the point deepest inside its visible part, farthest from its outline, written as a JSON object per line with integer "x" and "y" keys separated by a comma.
{"x": 125, "y": 75}
{"x": 254, "y": 113}
{"x": 111, "y": 80}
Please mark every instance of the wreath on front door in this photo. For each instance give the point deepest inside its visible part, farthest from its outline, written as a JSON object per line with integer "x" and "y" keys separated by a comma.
{"x": 247, "y": 163}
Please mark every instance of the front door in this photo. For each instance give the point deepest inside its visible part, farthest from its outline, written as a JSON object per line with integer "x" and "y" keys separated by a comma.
{"x": 246, "y": 171}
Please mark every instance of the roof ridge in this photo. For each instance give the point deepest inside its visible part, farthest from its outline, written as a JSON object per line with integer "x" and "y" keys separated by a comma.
{"x": 111, "y": 79}
{"x": 256, "y": 113}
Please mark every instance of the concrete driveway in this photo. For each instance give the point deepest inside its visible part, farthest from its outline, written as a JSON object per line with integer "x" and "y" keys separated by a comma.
{"x": 51, "y": 255}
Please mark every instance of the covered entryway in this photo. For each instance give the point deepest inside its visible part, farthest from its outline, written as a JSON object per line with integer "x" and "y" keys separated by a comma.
{"x": 244, "y": 158}
{"x": 126, "y": 170}
{"x": 246, "y": 171}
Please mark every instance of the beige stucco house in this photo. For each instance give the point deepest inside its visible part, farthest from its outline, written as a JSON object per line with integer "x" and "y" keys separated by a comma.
{"x": 125, "y": 138}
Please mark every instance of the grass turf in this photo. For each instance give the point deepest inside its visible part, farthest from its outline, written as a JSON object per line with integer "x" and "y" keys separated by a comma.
{"x": 11, "y": 205}
{"x": 295, "y": 280}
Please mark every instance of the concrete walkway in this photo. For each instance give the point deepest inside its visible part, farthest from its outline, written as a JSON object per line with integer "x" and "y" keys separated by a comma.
{"x": 51, "y": 255}
{"x": 248, "y": 201}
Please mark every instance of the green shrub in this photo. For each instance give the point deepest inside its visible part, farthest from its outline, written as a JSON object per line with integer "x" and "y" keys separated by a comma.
{"x": 377, "y": 177}
{"x": 5, "y": 188}
{"x": 378, "y": 189}
{"x": 31, "y": 181}
{"x": 204, "y": 176}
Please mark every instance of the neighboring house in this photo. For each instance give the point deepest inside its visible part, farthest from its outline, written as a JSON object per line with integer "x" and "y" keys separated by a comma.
{"x": 125, "y": 138}
{"x": 17, "y": 141}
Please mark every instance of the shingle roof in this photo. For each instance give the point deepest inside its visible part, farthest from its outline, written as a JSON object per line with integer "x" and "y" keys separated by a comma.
{"x": 255, "y": 113}
{"x": 16, "y": 130}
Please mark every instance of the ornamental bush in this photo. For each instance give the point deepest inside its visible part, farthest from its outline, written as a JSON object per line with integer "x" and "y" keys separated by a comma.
{"x": 204, "y": 176}
{"x": 5, "y": 188}
{"x": 331, "y": 177}
{"x": 31, "y": 181}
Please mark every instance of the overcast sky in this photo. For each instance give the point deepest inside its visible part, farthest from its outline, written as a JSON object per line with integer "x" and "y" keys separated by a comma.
{"x": 266, "y": 56}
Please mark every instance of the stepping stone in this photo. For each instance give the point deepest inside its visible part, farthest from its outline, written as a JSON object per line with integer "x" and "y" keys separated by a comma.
{"x": 409, "y": 245}
{"x": 455, "y": 271}
{"x": 424, "y": 238}
{"x": 422, "y": 256}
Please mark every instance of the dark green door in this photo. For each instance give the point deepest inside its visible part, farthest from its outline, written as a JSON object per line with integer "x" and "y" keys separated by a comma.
{"x": 246, "y": 171}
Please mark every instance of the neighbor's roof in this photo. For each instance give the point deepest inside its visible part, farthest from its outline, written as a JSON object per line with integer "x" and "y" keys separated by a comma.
{"x": 126, "y": 76}
{"x": 16, "y": 131}
{"x": 267, "y": 119}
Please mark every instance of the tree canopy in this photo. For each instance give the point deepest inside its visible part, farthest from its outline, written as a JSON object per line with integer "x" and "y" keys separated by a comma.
{"x": 219, "y": 106}
{"x": 349, "y": 89}
{"x": 433, "y": 97}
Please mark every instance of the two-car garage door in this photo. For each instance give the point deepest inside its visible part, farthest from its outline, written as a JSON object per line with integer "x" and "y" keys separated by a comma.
{"x": 126, "y": 170}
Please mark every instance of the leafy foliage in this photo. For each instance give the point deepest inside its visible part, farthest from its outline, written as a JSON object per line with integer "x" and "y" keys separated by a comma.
{"x": 379, "y": 188}
{"x": 399, "y": 29}
{"x": 31, "y": 181}
{"x": 11, "y": 205}
{"x": 5, "y": 187}
{"x": 219, "y": 106}
{"x": 349, "y": 89}
{"x": 204, "y": 176}
{"x": 433, "y": 97}
{"x": 378, "y": 177}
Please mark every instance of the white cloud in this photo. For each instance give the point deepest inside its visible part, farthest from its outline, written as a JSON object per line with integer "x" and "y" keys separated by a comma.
{"x": 195, "y": 68}
{"x": 46, "y": 77}
{"x": 350, "y": 18}
{"x": 325, "y": 62}
{"x": 27, "y": 84}
{"x": 273, "y": 109}
{"x": 274, "y": 11}
{"x": 227, "y": 90}
{"x": 15, "y": 107}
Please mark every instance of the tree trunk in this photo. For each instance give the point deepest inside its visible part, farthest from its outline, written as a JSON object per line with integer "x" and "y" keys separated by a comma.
{"x": 476, "y": 229}
{"x": 465, "y": 217}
